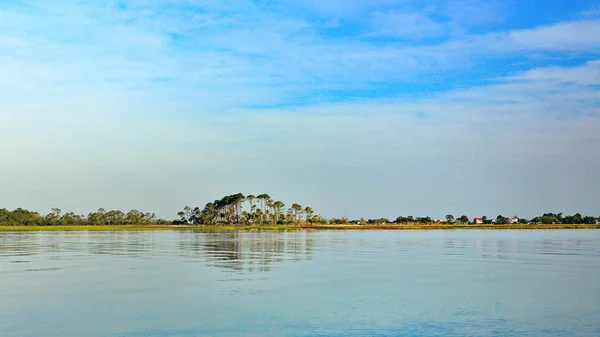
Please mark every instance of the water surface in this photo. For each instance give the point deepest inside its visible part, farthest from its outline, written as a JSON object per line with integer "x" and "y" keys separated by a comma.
{"x": 372, "y": 283}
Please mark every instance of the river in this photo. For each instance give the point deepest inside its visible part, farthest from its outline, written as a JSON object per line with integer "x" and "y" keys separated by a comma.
{"x": 297, "y": 283}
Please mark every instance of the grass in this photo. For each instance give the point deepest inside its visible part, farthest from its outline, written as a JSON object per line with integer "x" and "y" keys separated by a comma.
{"x": 296, "y": 227}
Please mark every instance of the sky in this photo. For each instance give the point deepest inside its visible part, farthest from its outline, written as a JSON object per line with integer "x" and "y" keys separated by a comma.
{"x": 366, "y": 108}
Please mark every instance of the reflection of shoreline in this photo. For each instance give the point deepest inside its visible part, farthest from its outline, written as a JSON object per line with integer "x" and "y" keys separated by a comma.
{"x": 107, "y": 243}
{"x": 252, "y": 251}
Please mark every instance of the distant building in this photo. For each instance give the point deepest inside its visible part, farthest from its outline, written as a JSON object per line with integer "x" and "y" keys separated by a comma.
{"x": 478, "y": 220}
{"x": 513, "y": 220}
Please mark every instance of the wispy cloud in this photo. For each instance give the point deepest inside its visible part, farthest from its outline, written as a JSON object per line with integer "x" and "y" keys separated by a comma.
{"x": 593, "y": 12}
{"x": 516, "y": 136}
{"x": 238, "y": 56}
{"x": 574, "y": 36}
{"x": 412, "y": 26}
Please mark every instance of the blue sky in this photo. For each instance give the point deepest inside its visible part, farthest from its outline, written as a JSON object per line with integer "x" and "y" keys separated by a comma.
{"x": 358, "y": 108}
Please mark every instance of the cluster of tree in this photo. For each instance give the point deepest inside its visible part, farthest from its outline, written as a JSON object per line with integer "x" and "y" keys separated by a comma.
{"x": 21, "y": 217}
{"x": 411, "y": 219}
{"x": 251, "y": 209}
{"x": 262, "y": 209}
{"x": 550, "y": 218}
{"x": 546, "y": 218}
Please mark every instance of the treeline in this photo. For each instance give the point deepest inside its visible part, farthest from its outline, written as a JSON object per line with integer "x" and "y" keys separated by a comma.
{"x": 546, "y": 218}
{"x": 21, "y": 217}
{"x": 237, "y": 209}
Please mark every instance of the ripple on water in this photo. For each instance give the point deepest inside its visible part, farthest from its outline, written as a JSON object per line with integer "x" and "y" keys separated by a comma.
{"x": 389, "y": 283}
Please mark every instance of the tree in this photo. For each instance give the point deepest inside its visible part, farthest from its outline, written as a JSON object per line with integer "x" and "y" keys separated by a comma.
{"x": 297, "y": 210}
{"x": 190, "y": 215}
{"x": 135, "y": 217}
{"x": 425, "y": 220}
{"x": 186, "y": 214}
{"x": 341, "y": 221}
{"x": 572, "y": 219}
{"x": 263, "y": 198}
{"x": 308, "y": 211}
{"x": 208, "y": 214}
{"x": 278, "y": 208}
{"x": 318, "y": 219}
{"x": 71, "y": 219}
{"x": 97, "y": 218}
{"x": 23, "y": 217}
{"x": 501, "y": 220}
{"x": 250, "y": 198}
{"x": 115, "y": 217}
{"x": 551, "y": 218}
{"x": 463, "y": 219}
{"x": 449, "y": 218}
{"x": 259, "y": 214}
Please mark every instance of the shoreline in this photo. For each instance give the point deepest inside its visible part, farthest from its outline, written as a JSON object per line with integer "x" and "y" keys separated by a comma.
{"x": 297, "y": 227}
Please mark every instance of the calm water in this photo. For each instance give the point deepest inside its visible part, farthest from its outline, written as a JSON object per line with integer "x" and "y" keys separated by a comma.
{"x": 396, "y": 283}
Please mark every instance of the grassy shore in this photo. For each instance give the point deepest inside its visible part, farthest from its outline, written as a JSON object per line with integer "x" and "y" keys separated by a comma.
{"x": 296, "y": 227}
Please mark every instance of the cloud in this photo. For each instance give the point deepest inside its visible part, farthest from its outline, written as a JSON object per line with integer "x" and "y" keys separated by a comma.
{"x": 575, "y": 36}
{"x": 237, "y": 56}
{"x": 411, "y": 26}
{"x": 587, "y": 75}
{"x": 593, "y": 12}
{"x": 505, "y": 143}
{"x": 474, "y": 13}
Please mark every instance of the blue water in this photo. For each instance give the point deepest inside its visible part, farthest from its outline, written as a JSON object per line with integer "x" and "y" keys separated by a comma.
{"x": 372, "y": 283}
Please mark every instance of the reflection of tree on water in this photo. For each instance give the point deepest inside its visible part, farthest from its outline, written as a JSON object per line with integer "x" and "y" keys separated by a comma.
{"x": 18, "y": 244}
{"x": 109, "y": 242}
{"x": 121, "y": 243}
{"x": 253, "y": 251}
{"x": 33, "y": 243}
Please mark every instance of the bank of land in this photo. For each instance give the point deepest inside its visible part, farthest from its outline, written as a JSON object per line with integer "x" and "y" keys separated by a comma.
{"x": 240, "y": 212}
{"x": 416, "y": 226}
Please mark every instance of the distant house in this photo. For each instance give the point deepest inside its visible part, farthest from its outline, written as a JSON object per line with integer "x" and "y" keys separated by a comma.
{"x": 478, "y": 220}
{"x": 513, "y": 220}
